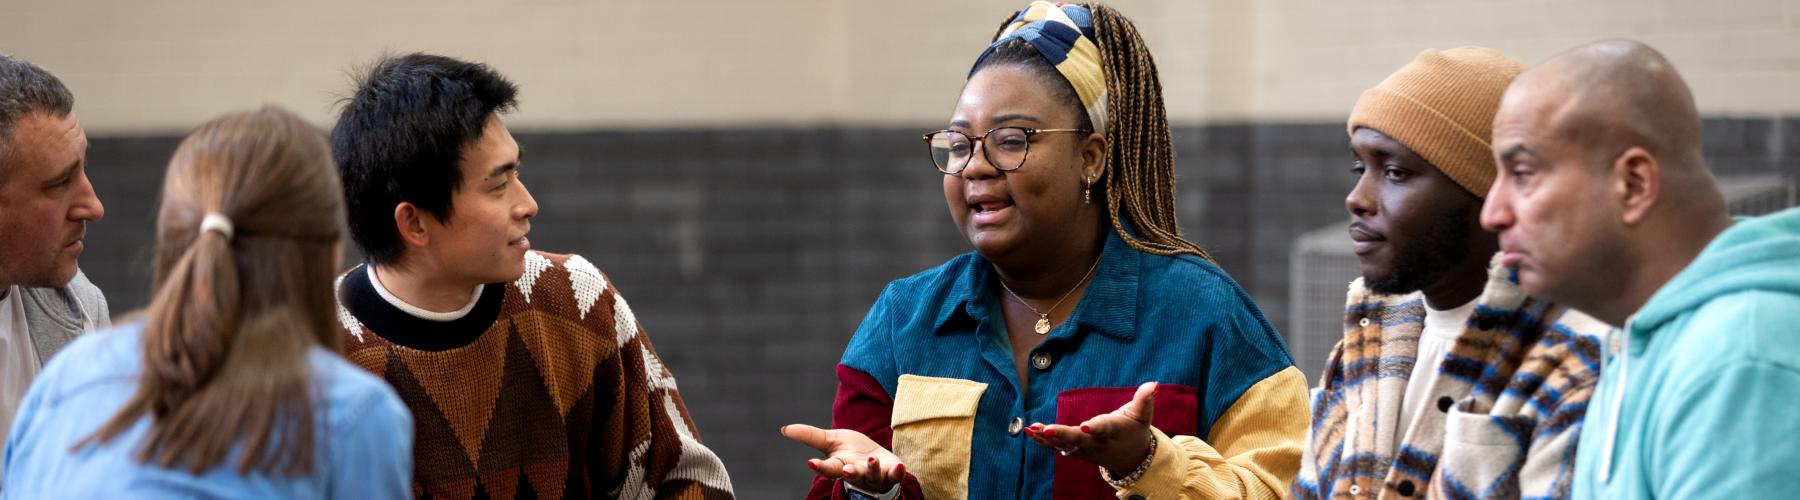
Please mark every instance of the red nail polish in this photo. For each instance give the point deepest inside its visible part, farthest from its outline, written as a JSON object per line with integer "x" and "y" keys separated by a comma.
{"x": 1086, "y": 430}
{"x": 900, "y": 469}
{"x": 1049, "y": 432}
{"x": 871, "y": 459}
{"x": 1030, "y": 432}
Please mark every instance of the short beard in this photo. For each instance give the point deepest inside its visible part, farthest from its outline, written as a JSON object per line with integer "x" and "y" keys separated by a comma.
{"x": 1444, "y": 244}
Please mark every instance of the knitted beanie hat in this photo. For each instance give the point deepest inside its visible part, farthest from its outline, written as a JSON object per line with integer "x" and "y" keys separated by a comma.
{"x": 1442, "y": 107}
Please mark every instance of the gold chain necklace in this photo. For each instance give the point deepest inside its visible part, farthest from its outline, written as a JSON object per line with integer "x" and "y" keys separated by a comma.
{"x": 1043, "y": 322}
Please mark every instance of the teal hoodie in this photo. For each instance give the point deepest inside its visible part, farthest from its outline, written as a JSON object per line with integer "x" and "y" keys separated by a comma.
{"x": 1704, "y": 402}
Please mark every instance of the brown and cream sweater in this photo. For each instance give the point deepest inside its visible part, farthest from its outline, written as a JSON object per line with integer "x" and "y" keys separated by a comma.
{"x": 546, "y": 388}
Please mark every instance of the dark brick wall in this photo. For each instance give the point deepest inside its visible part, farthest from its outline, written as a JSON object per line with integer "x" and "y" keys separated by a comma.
{"x": 750, "y": 256}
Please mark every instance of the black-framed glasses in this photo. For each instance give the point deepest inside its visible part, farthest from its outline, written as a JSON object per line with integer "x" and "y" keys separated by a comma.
{"x": 1004, "y": 147}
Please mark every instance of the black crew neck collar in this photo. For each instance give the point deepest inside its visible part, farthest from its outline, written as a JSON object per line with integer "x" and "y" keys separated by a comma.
{"x": 375, "y": 313}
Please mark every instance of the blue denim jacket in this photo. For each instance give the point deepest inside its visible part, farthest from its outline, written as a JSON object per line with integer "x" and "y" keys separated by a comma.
{"x": 1177, "y": 320}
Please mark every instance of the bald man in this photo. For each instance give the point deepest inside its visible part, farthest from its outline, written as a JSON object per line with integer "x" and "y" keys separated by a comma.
{"x": 1604, "y": 203}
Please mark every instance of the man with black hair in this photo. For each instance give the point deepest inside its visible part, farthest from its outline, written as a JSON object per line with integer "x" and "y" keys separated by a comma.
{"x": 45, "y": 204}
{"x": 526, "y": 372}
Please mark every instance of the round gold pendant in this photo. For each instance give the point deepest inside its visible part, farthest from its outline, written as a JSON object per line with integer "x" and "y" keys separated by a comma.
{"x": 1043, "y": 326}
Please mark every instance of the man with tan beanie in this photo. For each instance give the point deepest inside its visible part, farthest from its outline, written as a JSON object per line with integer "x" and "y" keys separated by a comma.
{"x": 1449, "y": 381}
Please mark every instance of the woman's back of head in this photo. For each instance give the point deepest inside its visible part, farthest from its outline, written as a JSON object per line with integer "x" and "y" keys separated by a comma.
{"x": 270, "y": 175}
{"x": 247, "y": 245}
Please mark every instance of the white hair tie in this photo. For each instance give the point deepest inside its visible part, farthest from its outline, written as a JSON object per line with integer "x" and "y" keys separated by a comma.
{"x": 216, "y": 222}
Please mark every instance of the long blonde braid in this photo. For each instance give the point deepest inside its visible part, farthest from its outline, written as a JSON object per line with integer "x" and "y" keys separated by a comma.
{"x": 1142, "y": 159}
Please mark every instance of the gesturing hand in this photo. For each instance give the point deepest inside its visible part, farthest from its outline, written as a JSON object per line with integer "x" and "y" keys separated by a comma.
{"x": 1117, "y": 441}
{"x": 849, "y": 455}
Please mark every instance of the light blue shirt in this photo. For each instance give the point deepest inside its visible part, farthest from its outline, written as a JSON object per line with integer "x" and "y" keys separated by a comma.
{"x": 1701, "y": 396}
{"x": 363, "y": 443}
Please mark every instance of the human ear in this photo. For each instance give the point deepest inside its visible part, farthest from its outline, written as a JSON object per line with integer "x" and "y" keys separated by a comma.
{"x": 1637, "y": 184}
{"x": 1093, "y": 159}
{"x": 410, "y": 221}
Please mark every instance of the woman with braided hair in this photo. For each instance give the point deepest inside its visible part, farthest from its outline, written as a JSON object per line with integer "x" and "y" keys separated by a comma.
{"x": 1083, "y": 330}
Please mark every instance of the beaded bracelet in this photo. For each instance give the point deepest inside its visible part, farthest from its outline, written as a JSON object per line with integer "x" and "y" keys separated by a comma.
{"x": 1132, "y": 479}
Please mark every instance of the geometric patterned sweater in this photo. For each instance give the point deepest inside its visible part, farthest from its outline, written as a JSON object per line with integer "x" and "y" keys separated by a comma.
{"x": 1501, "y": 420}
{"x": 547, "y": 388}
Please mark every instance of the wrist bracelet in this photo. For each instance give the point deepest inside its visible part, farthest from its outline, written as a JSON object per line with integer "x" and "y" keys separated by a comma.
{"x": 1128, "y": 481}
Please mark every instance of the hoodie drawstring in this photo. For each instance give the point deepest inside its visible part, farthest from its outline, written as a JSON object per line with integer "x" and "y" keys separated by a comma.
{"x": 1618, "y": 399}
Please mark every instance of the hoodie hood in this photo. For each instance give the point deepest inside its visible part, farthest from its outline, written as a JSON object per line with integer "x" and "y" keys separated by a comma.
{"x": 1761, "y": 253}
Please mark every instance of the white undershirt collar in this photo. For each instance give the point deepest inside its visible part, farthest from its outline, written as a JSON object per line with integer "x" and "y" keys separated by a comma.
{"x": 420, "y": 312}
{"x": 1448, "y": 323}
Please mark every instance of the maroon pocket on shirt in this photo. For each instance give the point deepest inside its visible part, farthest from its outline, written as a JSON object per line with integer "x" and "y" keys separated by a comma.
{"x": 1176, "y": 413}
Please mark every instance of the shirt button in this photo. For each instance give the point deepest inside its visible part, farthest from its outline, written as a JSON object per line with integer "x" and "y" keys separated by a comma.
{"x": 1364, "y": 322}
{"x": 1354, "y": 489}
{"x": 1041, "y": 360}
{"x": 1017, "y": 425}
{"x": 1405, "y": 488}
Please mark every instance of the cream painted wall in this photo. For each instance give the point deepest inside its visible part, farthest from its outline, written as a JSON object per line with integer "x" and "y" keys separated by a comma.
{"x": 147, "y": 67}
{"x": 1741, "y": 57}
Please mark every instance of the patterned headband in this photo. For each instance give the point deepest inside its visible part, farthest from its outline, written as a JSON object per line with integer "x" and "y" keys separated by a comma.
{"x": 1064, "y": 35}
